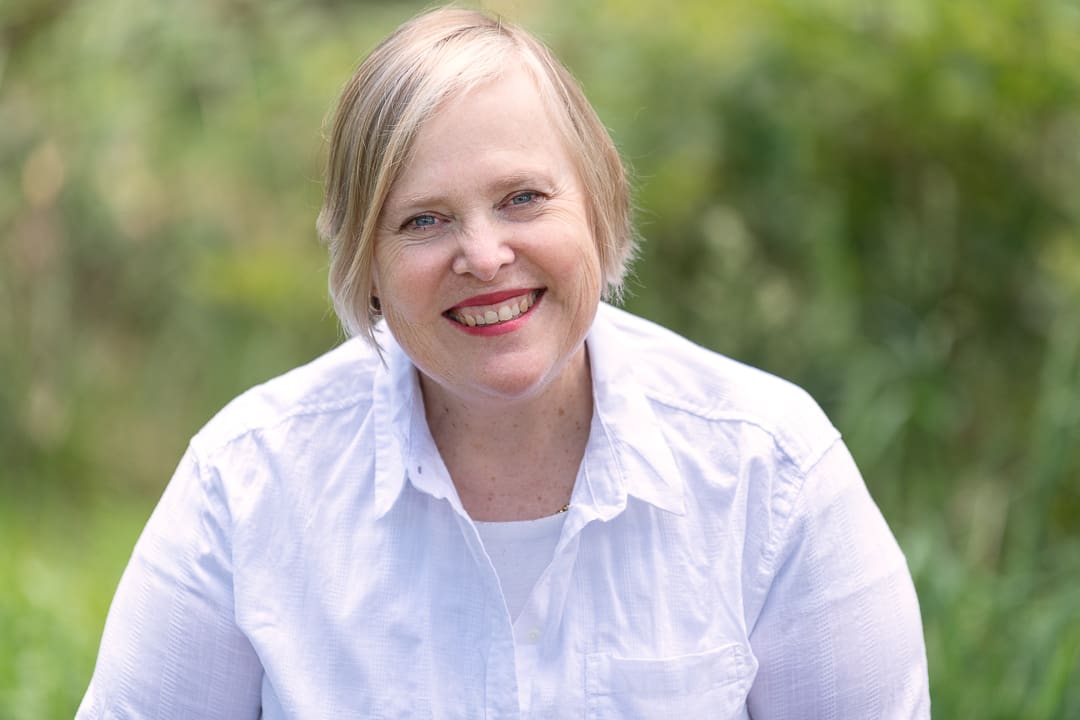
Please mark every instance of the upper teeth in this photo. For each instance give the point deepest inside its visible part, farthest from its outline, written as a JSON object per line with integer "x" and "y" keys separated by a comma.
{"x": 495, "y": 313}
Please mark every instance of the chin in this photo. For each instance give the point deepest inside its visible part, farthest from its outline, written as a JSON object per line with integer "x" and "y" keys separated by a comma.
{"x": 509, "y": 387}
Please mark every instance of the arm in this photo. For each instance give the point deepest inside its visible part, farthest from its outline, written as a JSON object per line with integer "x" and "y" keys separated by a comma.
{"x": 839, "y": 635}
{"x": 171, "y": 648}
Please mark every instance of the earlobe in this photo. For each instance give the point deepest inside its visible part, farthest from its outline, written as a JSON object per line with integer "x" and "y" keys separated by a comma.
{"x": 374, "y": 305}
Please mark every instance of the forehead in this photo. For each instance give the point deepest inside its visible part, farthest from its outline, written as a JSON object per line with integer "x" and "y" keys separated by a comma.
{"x": 503, "y": 123}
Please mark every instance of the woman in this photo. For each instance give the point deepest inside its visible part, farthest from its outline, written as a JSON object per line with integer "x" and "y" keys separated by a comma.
{"x": 505, "y": 498}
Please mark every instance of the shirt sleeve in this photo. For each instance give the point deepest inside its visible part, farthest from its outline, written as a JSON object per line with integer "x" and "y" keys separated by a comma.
{"x": 171, "y": 647}
{"x": 839, "y": 634}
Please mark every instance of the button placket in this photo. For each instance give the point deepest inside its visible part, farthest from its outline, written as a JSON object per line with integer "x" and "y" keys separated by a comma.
{"x": 503, "y": 674}
{"x": 538, "y": 618}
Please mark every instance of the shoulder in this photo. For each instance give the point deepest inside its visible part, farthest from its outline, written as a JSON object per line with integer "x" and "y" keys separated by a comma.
{"x": 681, "y": 377}
{"x": 338, "y": 381}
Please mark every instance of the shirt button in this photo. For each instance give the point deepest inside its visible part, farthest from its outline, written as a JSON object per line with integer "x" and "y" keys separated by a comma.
{"x": 533, "y": 635}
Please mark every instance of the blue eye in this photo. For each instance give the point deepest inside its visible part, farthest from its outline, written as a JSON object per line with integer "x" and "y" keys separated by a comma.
{"x": 523, "y": 198}
{"x": 421, "y": 221}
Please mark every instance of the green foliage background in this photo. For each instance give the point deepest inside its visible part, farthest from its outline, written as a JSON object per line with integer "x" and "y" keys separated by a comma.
{"x": 879, "y": 201}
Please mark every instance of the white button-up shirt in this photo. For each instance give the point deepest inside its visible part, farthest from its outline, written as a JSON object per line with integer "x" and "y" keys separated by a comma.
{"x": 721, "y": 558}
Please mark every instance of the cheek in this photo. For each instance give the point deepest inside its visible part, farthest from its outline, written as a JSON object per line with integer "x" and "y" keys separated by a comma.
{"x": 577, "y": 248}
{"x": 405, "y": 274}
{"x": 591, "y": 276}
{"x": 584, "y": 261}
{"x": 375, "y": 284}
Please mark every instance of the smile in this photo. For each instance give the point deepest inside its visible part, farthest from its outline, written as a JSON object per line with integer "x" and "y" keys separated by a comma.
{"x": 495, "y": 313}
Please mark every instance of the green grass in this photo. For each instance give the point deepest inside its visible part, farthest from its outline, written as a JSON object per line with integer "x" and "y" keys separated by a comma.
{"x": 1001, "y": 644}
{"x": 60, "y": 564}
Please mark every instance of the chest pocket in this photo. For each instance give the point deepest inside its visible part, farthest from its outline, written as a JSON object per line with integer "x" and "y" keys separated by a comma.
{"x": 712, "y": 684}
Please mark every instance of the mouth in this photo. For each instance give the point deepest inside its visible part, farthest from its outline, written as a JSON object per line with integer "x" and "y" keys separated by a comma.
{"x": 495, "y": 313}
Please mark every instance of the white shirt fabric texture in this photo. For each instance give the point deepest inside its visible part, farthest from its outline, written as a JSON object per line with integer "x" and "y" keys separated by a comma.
{"x": 721, "y": 558}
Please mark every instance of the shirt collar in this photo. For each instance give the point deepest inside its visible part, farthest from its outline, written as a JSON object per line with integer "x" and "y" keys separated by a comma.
{"x": 404, "y": 448}
{"x": 626, "y": 455}
{"x": 395, "y": 392}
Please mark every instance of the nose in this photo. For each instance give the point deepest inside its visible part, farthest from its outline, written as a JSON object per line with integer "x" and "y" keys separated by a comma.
{"x": 483, "y": 248}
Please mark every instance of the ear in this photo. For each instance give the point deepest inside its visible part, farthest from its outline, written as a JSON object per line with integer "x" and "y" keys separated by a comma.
{"x": 374, "y": 305}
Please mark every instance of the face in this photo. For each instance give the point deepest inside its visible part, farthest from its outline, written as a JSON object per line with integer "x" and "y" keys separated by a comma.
{"x": 485, "y": 263}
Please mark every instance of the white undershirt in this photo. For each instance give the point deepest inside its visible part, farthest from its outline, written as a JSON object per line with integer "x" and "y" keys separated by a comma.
{"x": 520, "y": 550}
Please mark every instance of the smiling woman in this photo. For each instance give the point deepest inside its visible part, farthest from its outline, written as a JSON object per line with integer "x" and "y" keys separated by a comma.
{"x": 505, "y": 226}
{"x": 504, "y": 497}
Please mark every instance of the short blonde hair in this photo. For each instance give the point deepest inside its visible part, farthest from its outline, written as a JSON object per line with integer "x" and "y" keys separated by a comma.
{"x": 406, "y": 78}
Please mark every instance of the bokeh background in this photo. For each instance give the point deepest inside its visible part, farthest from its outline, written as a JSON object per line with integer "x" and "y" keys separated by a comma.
{"x": 877, "y": 199}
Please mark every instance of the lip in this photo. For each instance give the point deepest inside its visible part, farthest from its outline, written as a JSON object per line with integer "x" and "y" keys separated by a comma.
{"x": 496, "y": 329}
{"x": 492, "y": 298}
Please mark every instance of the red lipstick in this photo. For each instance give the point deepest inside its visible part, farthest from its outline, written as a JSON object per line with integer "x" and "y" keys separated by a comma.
{"x": 492, "y": 328}
{"x": 493, "y": 298}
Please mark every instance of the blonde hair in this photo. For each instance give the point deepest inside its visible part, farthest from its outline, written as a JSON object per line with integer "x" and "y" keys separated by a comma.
{"x": 406, "y": 78}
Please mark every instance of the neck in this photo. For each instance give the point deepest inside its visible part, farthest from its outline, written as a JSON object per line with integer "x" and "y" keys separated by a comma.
{"x": 514, "y": 459}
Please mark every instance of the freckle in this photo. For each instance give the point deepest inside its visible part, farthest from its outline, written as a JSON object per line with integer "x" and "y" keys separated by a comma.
{"x": 561, "y": 412}
{"x": 539, "y": 498}
{"x": 490, "y": 496}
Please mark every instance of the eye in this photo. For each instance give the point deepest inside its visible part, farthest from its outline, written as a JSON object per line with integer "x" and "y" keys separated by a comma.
{"x": 523, "y": 198}
{"x": 420, "y": 222}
